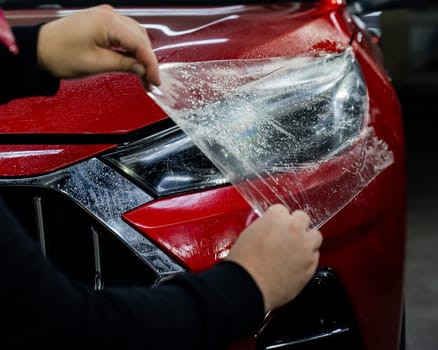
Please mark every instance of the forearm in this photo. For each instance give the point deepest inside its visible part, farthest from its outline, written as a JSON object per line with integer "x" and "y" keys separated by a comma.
{"x": 40, "y": 306}
{"x": 203, "y": 311}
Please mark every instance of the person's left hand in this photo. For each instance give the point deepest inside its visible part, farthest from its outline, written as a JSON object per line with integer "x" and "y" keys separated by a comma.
{"x": 96, "y": 40}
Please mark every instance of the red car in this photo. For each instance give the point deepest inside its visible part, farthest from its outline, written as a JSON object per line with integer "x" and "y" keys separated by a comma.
{"x": 118, "y": 195}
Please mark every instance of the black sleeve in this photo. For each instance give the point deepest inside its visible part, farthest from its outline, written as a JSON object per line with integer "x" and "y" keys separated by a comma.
{"x": 20, "y": 75}
{"x": 39, "y": 306}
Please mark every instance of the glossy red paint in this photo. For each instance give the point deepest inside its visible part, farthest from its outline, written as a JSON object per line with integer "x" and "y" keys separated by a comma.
{"x": 30, "y": 160}
{"x": 198, "y": 228}
{"x": 364, "y": 243}
{"x": 116, "y": 103}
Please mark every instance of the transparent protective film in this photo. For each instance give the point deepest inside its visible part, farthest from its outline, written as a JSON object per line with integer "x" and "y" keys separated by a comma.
{"x": 282, "y": 130}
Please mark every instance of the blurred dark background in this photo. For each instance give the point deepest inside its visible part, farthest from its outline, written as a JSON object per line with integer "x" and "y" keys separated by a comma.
{"x": 410, "y": 44}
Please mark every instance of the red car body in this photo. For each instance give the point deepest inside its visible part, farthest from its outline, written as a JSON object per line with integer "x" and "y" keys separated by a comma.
{"x": 364, "y": 243}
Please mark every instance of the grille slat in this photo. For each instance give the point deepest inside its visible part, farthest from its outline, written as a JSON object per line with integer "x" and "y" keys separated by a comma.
{"x": 98, "y": 283}
{"x": 40, "y": 224}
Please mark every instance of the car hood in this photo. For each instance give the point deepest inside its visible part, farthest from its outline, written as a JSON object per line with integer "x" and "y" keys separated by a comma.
{"x": 115, "y": 103}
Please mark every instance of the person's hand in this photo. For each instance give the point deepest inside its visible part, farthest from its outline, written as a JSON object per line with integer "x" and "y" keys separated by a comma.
{"x": 280, "y": 252}
{"x": 96, "y": 40}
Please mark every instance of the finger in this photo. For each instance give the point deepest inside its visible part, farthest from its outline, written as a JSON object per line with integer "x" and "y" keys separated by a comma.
{"x": 317, "y": 238}
{"x": 149, "y": 60}
{"x": 278, "y": 208}
{"x": 146, "y": 84}
{"x": 109, "y": 60}
{"x": 136, "y": 44}
{"x": 300, "y": 219}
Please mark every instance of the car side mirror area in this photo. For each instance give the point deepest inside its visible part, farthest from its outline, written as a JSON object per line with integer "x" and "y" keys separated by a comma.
{"x": 367, "y": 13}
{"x": 363, "y": 7}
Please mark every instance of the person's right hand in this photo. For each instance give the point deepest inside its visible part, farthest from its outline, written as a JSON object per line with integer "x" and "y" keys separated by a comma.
{"x": 280, "y": 252}
{"x": 96, "y": 40}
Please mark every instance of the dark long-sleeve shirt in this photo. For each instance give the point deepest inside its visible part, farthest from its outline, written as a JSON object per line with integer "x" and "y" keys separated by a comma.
{"x": 20, "y": 75}
{"x": 40, "y": 306}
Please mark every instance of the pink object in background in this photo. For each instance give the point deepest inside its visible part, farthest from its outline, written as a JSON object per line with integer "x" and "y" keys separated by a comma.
{"x": 6, "y": 36}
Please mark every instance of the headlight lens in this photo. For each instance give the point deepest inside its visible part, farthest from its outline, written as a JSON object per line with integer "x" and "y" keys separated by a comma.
{"x": 167, "y": 163}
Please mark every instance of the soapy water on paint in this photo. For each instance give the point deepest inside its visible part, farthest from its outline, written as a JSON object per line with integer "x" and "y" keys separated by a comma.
{"x": 282, "y": 130}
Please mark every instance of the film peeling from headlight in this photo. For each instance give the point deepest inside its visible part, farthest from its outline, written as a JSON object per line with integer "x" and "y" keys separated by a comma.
{"x": 282, "y": 130}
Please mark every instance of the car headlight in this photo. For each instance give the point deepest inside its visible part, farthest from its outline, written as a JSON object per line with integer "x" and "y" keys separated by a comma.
{"x": 252, "y": 114}
{"x": 291, "y": 130}
{"x": 167, "y": 163}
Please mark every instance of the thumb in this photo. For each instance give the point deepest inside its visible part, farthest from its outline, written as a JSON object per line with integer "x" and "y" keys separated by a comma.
{"x": 117, "y": 61}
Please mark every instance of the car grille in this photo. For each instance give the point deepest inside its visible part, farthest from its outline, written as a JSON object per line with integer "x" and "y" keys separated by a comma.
{"x": 74, "y": 241}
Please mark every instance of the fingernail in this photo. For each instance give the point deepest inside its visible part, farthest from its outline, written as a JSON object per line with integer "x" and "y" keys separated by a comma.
{"x": 138, "y": 69}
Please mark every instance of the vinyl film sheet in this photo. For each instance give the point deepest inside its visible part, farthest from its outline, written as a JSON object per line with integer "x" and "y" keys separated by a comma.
{"x": 282, "y": 130}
